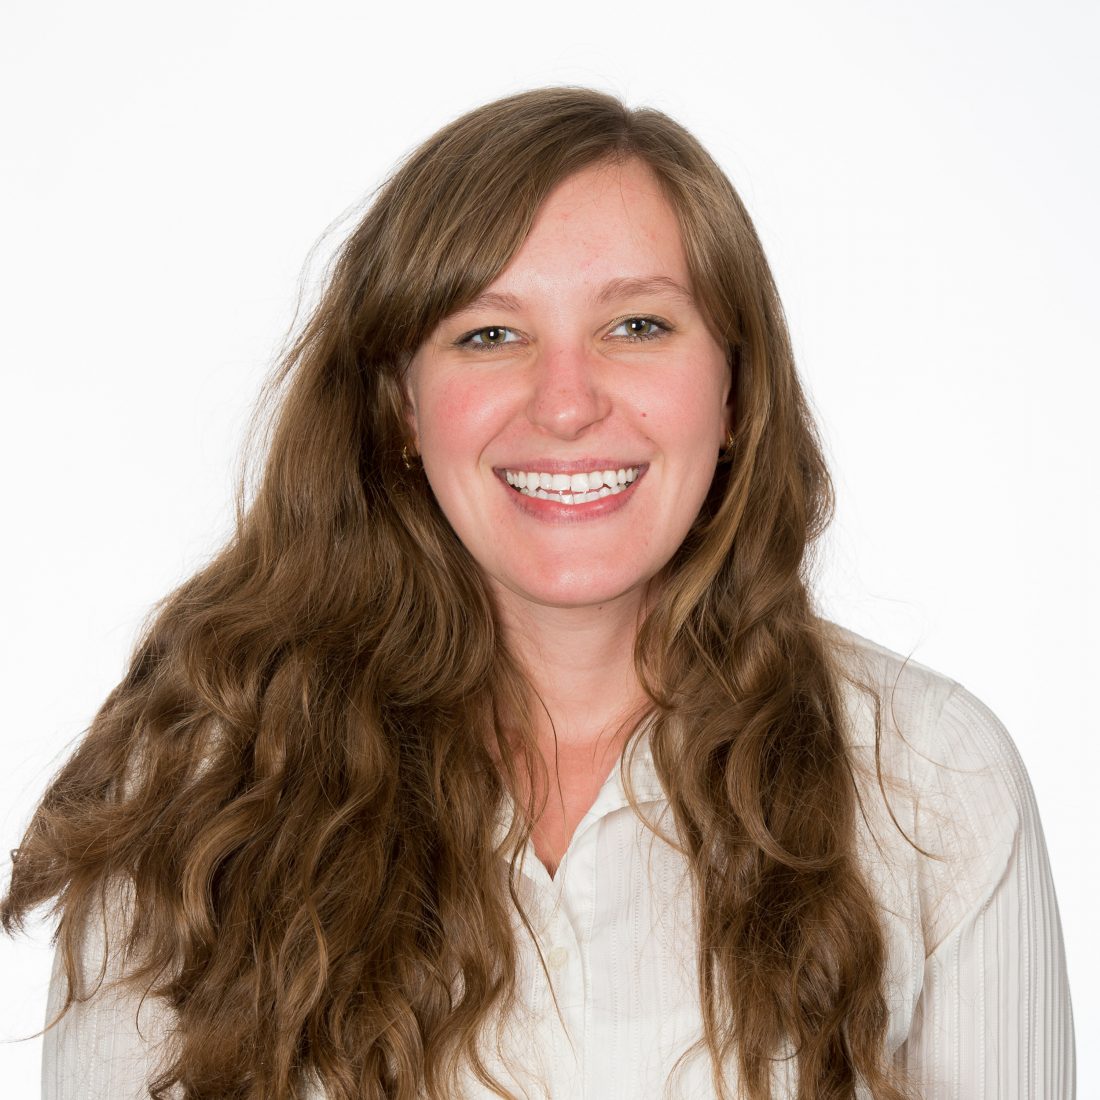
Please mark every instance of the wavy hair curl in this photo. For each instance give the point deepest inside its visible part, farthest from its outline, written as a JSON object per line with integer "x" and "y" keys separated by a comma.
{"x": 295, "y": 780}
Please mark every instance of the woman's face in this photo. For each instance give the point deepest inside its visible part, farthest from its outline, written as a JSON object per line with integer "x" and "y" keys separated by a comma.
{"x": 571, "y": 418}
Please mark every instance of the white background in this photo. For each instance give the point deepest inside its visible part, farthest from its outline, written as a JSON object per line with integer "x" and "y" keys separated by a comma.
{"x": 924, "y": 178}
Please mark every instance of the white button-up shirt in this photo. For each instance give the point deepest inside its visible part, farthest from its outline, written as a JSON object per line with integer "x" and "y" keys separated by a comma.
{"x": 976, "y": 983}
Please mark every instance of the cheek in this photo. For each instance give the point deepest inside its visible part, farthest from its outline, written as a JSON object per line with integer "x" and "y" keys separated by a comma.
{"x": 457, "y": 419}
{"x": 686, "y": 414}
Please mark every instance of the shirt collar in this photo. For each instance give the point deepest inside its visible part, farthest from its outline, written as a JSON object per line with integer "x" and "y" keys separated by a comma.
{"x": 612, "y": 795}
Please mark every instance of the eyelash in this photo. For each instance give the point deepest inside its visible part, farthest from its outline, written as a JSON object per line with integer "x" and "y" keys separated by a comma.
{"x": 467, "y": 340}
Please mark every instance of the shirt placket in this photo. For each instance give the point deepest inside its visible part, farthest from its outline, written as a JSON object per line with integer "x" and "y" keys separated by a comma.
{"x": 569, "y": 903}
{"x": 567, "y": 906}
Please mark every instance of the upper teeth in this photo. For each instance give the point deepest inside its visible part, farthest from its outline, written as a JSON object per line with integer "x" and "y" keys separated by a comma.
{"x": 571, "y": 488}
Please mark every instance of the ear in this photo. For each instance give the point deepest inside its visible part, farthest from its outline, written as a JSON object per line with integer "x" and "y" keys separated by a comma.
{"x": 408, "y": 401}
{"x": 397, "y": 394}
{"x": 730, "y": 412}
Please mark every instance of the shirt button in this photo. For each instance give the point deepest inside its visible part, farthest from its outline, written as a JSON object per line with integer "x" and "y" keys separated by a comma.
{"x": 558, "y": 958}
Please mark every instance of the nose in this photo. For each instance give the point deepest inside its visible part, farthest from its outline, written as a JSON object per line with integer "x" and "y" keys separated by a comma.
{"x": 567, "y": 394}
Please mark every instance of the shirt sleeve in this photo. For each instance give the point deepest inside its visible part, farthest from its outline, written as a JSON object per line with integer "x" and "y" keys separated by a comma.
{"x": 993, "y": 1020}
{"x": 108, "y": 1046}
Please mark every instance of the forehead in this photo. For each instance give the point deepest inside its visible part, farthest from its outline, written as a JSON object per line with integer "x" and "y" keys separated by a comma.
{"x": 607, "y": 221}
{"x": 616, "y": 189}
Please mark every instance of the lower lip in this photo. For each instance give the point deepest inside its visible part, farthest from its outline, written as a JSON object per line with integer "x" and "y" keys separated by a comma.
{"x": 553, "y": 511}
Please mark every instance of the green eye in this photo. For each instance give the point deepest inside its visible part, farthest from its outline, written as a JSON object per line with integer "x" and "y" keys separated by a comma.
{"x": 641, "y": 328}
{"x": 493, "y": 336}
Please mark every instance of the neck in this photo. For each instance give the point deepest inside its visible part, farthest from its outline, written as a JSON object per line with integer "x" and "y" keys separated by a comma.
{"x": 580, "y": 661}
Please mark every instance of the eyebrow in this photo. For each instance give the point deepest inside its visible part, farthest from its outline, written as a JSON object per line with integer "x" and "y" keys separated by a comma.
{"x": 612, "y": 290}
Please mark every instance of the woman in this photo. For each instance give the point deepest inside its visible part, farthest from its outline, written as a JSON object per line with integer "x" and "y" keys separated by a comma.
{"x": 501, "y": 752}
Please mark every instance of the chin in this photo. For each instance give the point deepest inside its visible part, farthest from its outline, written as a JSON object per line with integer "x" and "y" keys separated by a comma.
{"x": 573, "y": 589}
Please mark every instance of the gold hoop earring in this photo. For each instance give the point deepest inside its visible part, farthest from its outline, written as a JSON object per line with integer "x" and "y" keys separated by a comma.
{"x": 407, "y": 458}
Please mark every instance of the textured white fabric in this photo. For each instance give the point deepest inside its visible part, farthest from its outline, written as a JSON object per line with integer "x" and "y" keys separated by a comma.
{"x": 977, "y": 988}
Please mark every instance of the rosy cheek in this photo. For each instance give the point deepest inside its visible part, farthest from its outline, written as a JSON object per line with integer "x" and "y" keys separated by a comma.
{"x": 462, "y": 416}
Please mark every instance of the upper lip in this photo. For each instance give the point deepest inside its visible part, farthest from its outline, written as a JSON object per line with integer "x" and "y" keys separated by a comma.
{"x": 576, "y": 466}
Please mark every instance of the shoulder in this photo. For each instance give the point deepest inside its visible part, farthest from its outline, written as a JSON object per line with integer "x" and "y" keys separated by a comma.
{"x": 929, "y": 725}
{"x": 945, "y": 793}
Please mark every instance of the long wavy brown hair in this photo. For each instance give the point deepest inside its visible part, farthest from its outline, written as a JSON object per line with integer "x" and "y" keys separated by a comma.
{"x": 298, "y": 777}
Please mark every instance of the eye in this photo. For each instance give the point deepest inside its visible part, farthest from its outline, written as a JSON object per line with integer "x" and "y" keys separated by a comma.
{"x": 493, "y": 336}
{"x": 642, "y": 328}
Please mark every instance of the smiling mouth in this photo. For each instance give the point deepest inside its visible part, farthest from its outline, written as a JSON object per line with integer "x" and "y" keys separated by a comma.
{"x": 571, "y": 488}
